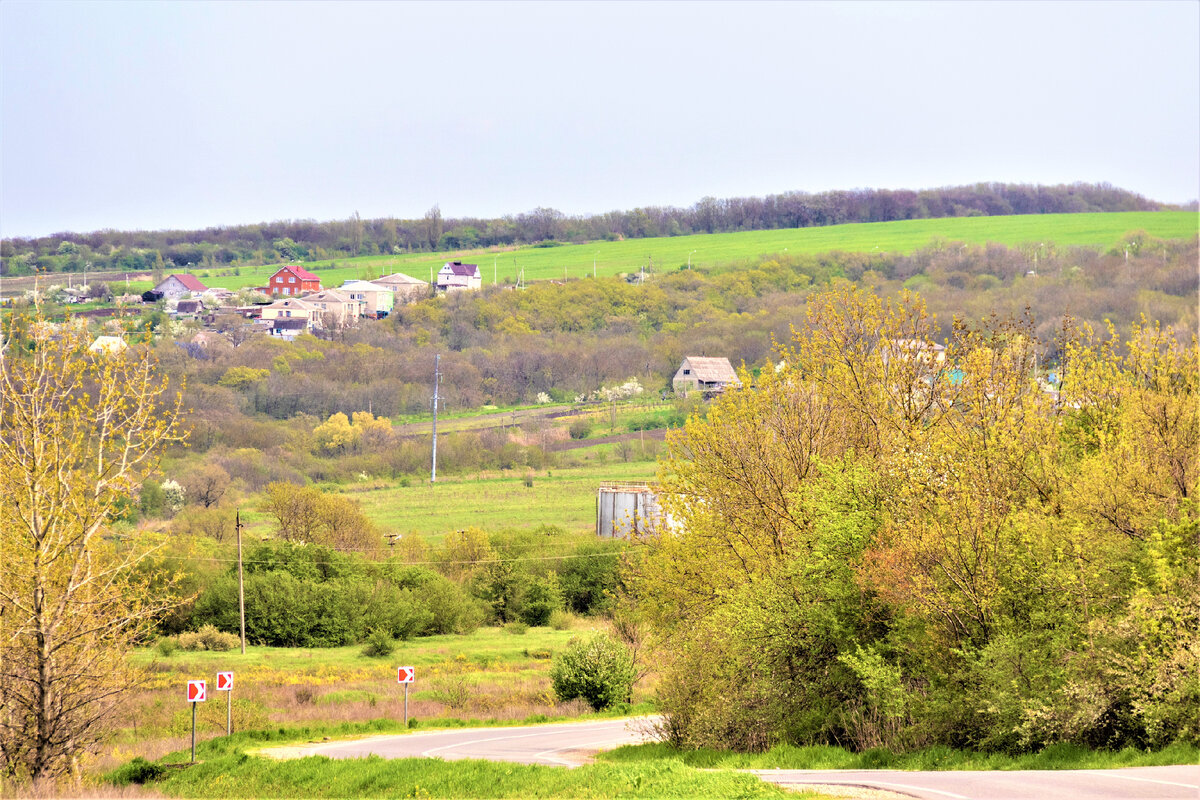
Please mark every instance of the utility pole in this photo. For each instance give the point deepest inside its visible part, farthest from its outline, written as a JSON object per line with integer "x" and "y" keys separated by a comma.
{"x": 241, "y": 584}
{"x": 436, "y": 376}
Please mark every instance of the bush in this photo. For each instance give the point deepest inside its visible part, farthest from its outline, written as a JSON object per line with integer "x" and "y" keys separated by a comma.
{"x": 379, "y": 643}
{"x": 166, "y": 646}
{"x": 137, "y": 771}
{"x": 516, "y": 628}
{"x": 562, "y": 620}
{"x": 598, "y": 669}
{"x": 580, "y": 428}
{"x": 209, "y": 638}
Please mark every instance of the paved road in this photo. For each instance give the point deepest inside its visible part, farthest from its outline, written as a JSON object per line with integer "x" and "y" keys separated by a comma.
{"x": 565, "y": 744}
{"x": 571, "y": 744}
{"x": 1142, "y": 783}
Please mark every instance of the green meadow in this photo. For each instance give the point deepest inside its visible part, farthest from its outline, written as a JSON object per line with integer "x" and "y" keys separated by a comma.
{"x": 707, "y": 250}
{"x": 565, "y": 498}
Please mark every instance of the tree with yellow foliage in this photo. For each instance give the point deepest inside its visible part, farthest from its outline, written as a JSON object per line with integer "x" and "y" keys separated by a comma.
{"x": 79, "y": 432}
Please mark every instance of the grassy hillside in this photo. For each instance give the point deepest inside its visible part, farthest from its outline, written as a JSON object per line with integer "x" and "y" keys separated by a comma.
{"x": 670, "y": 253}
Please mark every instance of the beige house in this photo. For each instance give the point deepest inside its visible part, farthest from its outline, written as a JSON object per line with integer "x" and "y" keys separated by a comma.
{"x": 455, "y": 276}
{"x": 405, "y": 287}
{"x": 377, "y": 300}
{"x": 334, "y": 309}
{"x": 291, "y": 308}
{"x": 704, "y": 374}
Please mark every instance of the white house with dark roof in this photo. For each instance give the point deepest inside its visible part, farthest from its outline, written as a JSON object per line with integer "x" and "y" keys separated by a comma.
{"x": 704, "y": 374}
{"x": 455, "y": 276}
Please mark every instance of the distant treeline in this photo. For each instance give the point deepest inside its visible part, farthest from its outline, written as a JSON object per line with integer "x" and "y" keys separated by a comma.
{"x": 309, "y": 240}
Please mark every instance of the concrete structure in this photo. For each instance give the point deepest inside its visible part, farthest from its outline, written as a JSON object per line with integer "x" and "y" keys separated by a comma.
{"x": 377, "y": 300}
{"x": 175, "y": 286}
{"x": 292, "y": 280}
{"x": 701, "y": 374}
{"x": 456, "y": 276}
{"x": 628, "y": 508}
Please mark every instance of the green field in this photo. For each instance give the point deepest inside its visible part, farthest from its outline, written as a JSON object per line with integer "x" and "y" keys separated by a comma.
{"x": 560, "y": 497}
{"x": 706, "y": 250}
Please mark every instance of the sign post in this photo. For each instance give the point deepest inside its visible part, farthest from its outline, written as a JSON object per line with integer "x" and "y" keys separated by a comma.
{"x": 197, "y": 692}
{"x": 405, "y": 675}
{"x": 225, "y": 684}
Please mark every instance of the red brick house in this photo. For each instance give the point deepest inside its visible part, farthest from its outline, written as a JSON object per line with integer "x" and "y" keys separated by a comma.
{"x": 292, "y": 281}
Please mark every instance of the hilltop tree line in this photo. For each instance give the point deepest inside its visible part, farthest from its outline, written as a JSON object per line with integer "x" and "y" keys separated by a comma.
{"x": 309, "y": 240}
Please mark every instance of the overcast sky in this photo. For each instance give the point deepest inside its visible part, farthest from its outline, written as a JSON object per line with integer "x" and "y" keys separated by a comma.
{"x": 179, "y": 115}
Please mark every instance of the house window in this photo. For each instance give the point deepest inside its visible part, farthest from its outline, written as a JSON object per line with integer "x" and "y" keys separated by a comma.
{"x": 687, "y": 372}
{"x": 291, "y": 279}
{"x": 286, "y": 290}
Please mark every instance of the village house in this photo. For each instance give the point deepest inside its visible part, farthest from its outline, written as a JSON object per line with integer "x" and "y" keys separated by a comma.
{"x": 930, "y": 353}
{"x": 703, "y": 374}
{"x": 288, "y": 309}
{"x": 456, "y": 276}
{"x": 334, "y": 309}
{"x": 406, "y": 288}
{"x": 189, "y": 309}
{"x": 175, "y": 286}
{"x": 377, "y": 300}
{"x": 293, "y": 281}
{"x": 108, "y": 345}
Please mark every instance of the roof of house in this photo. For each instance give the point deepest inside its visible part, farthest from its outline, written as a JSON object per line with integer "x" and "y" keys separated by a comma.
{"x": 298, "y": 271}
{"x": 459, "y": 268}
{"x": 289, "y": 323}
{"x": 189, "y": 307}
{"x": 107, "y": 344}
{"x": 291, "y": 302}
{"x": 327, "y": 296}
{"x": 710, "y": 369}
{"x": 399, "y": 278}
{"x": 191, "y": 282}
{"x": 363, "y": 286}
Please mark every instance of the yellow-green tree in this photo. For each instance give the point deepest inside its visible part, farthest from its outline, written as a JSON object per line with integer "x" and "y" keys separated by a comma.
{"x": 79, "y": 432}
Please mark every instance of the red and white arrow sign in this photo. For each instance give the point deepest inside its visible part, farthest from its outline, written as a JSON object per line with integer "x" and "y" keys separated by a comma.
{"x": 406, "y": 674}
{"x": 224, "y": 681}
{"x": 197, "y": 691}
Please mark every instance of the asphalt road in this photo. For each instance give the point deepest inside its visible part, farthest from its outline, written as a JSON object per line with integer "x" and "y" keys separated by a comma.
{"x": 571, "y": 744}
{"x": 565, "y": 744}
{"x": 1135, "y": 783}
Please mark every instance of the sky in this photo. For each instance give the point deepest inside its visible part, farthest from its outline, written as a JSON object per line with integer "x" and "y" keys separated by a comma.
{"x": 154, "y": 115}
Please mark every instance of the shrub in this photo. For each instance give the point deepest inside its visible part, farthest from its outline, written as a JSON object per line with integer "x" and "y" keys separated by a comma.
{"x": 542, "y": 598}
{"x": 208, "y": 638}
{"x": 137, "y": 771}
{"x": 516, "y": 628}
{"x": 598, "y": 669}
{"x": 580, "y": 428}
{"x": 562, "y": 620}
{"x": 379, "y": 644}
{"x": 166, "y": 646}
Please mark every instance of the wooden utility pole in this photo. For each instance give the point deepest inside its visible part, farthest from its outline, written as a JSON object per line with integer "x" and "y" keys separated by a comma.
{"x": 241, "y": 584}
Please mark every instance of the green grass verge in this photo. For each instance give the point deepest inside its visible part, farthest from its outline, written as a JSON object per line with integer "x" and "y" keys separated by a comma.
{"x": 227, "y": 770}
{"x": 1058, "y": 756}
{"x": 669, "y": 253}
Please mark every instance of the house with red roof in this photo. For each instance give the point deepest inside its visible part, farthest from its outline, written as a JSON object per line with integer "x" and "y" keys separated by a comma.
{"x": 175, "y": 286}
{"x": 292, "y": 281}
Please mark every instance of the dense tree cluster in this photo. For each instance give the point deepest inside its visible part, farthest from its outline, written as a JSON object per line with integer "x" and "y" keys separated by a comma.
{"x": 877, "y": 545}
{"x": 309, "y": 240}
